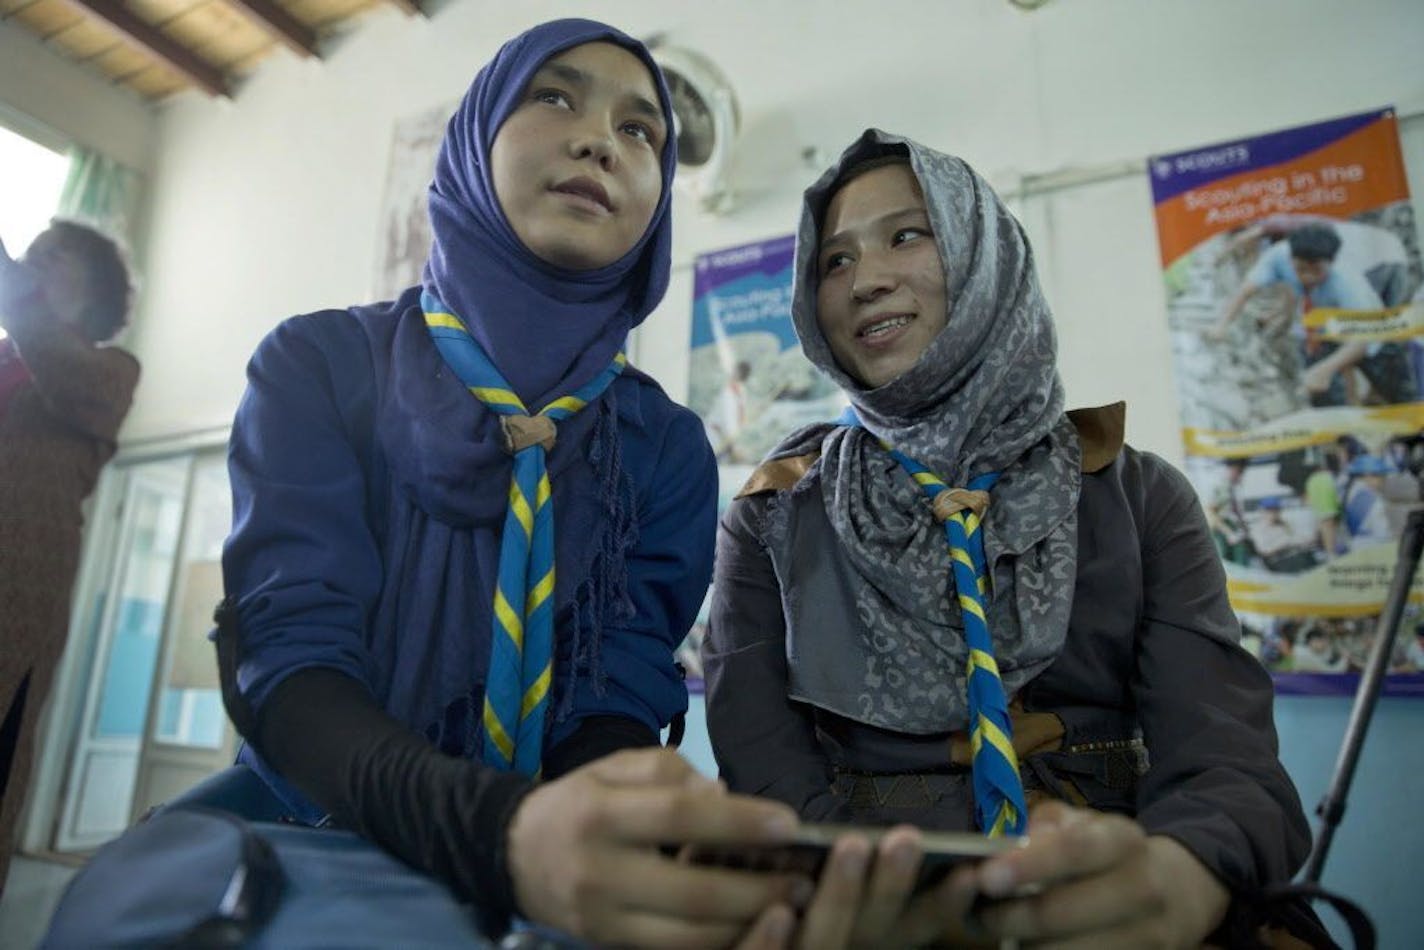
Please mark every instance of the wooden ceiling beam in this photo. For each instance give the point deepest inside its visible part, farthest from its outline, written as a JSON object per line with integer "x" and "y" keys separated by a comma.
{"x": 285, "y": 28}
{"x": 408, "y": 7}
{"x": 191, "y": 66}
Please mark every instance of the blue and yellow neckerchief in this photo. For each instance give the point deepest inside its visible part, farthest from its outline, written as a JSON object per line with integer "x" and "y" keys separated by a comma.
{"x": 998, "y": 788}
{"x": 522, "y": 635}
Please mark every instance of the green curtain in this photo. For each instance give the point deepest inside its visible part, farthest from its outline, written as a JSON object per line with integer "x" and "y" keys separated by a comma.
{"x": 100, "y": 191}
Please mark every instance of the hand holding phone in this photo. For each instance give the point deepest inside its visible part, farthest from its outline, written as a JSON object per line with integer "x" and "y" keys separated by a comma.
{"x": 807, "y": 853}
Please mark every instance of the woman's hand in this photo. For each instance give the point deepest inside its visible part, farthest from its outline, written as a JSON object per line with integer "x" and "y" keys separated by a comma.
{"x": 584, "y": 857}
{"x": 1104, "y": 883}
{"x": 865, "y": 897}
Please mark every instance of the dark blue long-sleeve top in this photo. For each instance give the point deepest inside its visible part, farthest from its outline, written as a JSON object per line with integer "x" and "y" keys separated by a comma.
{"x": 367, "y": 509}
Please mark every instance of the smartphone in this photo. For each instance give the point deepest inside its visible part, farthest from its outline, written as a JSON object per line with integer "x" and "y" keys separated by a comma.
{"x": 806, "y": 854}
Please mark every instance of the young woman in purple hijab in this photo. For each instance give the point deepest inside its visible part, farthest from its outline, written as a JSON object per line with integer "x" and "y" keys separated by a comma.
{"x": 370, "y": 575}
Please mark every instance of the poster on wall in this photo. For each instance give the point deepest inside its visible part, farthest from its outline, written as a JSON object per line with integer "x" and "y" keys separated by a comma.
{"x": 403, "y": 237}
{"x": 1296, "y": 307}
{"x": 748, "y": 379}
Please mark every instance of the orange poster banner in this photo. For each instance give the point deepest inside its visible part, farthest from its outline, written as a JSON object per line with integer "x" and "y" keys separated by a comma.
{"x": 1361, "y": 171}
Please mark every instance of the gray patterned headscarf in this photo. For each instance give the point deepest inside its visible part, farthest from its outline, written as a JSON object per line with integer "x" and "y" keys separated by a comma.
{"x": 984, "y": 396}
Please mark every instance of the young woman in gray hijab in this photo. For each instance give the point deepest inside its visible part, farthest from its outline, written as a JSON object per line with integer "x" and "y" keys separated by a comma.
{"x": 841, "y": 649}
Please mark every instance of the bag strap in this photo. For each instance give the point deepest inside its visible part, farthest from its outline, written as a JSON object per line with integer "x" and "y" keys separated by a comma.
{"x": 1362, "y": 929}
{"x": 677, "y": 728}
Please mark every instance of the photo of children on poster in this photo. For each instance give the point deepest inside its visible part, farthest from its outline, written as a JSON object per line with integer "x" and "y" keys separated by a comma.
{"x": 1295, "y": 299}
{"x": 748, "y": 379}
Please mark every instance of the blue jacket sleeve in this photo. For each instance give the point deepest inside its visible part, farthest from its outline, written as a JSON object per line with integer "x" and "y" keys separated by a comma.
{"x": 301, "y": 563}
{"x": 669, "y": 569}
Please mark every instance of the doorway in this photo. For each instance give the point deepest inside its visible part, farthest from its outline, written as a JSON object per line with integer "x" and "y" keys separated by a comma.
{"x": 150, "y": 719}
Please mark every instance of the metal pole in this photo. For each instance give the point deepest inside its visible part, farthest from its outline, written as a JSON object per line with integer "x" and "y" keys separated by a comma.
{"x": 1332, "y": 806}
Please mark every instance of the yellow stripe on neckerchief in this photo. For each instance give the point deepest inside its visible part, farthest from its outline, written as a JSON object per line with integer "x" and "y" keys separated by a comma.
{"x": 522, "y": 634}
{"x": 998, "y": 788}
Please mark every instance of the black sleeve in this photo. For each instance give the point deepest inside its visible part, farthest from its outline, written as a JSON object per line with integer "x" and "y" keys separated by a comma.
{"x": 448, "y": 817}
{"x": 1215, "y": 781}
{"x": 595, "y": 737}
{"x": 765, "y": 742}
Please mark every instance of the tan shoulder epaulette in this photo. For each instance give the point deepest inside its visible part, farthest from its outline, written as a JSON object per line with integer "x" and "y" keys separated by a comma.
{"x": 1100, "y": 433}
{"x": 778, "y": 474}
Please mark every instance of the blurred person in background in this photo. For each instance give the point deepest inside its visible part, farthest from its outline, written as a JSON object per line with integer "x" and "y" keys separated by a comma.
{"x": 64, "y": 391}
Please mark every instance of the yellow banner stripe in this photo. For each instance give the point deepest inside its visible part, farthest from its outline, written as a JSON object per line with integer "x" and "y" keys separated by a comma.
{"x": 983, "y": 586}
{"x": 1321, "y": 316}
{"x": 1306, "y": 609}
{"x": 987, "y": 731}
{"x": 971, "y": 523}
{"x": 962, "y": 556}
{"x": 497, "y": 397}
{"x": 513, "y": 624}
{"x": 544, "y": 492}
{"x": 1237, "y": 444}
{"x": 571, "y": 403}
{"x": 968, "y": 604}
{"x": 926, "y": 478}
{"x": 621, "y": 359}
{"x": 536, "y": 692}
{"x": 520, "y": 507}
{"x": 540, "y": 593}
{"x": 979, "y": 660}
{"x": 447, "y": 320}
{"x": 496, "y": 731}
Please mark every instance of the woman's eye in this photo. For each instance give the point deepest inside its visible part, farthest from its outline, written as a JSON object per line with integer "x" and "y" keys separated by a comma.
{"x": 906, "y": 234}
{"x": 834, "y": 263}
{"x": 553, "y": 97}
{"x": 639, "y": 131}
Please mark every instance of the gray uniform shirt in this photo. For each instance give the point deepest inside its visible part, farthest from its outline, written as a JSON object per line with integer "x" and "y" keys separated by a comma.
{"x": 1151, "y": 659}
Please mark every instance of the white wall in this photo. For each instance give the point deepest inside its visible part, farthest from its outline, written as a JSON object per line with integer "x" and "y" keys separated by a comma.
{"x": 46, "y": 97}
{"x": 267, "y": 205}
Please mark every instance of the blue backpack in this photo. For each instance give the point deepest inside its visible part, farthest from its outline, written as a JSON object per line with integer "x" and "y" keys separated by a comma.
{"x": 202, "y": 878}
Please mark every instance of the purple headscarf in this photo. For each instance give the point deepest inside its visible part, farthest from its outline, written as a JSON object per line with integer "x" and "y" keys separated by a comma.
{"x": 548, "y": 329}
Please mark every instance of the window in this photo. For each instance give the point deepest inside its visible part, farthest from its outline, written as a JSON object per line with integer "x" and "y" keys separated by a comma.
{"x": 29, "y": 190}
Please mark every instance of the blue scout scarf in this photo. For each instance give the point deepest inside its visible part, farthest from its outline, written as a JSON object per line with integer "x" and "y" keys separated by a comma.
{"x": 998, "y": 788}
{"x": 521, "y": 665}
